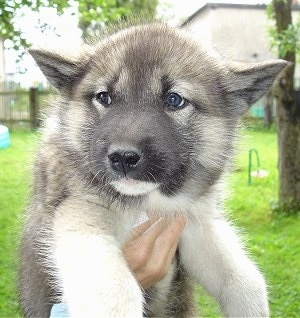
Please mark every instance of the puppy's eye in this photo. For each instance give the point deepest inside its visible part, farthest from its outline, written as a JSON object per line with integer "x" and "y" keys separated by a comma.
{"x": 103, "y": 98}
{"x": 175, "y": 101}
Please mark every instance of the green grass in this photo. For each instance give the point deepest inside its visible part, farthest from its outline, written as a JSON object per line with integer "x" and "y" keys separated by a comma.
{"x": 273, "y": 241}
{"x": 14, "y": 162}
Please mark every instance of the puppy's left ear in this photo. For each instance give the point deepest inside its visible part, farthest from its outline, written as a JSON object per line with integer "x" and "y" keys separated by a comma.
{"x": 246, "y": 83}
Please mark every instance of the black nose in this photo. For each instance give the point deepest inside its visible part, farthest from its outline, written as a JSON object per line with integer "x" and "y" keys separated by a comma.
{"x": 124, "y": 161}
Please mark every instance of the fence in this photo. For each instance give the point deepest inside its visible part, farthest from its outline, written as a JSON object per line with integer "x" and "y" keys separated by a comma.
{"x": 21, "y": 108}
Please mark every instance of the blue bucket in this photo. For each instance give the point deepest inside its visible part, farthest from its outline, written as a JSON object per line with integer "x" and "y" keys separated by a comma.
{"x": 4, "y": 137}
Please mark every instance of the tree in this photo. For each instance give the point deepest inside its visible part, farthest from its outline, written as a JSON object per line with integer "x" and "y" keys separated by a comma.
{"x": 8, "y": 10}
{"x": 95, "y": 12}
{"x": 91, "y": 13}
{"x": 287, "y": 38}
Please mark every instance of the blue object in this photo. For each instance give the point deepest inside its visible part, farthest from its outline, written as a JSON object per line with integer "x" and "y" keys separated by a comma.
{"x": 59, "y": 310}
{"x": 4, "y": 137}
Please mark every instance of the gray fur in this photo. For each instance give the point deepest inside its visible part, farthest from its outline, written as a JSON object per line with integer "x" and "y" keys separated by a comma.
{"x": 185, "y": 151}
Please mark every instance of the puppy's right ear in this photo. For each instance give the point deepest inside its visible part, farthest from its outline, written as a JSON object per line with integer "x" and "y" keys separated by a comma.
{"x": 61, "y": 70}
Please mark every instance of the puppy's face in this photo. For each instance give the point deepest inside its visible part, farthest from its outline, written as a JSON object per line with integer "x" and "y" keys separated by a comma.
{"x": 150, "y": 106}
{"x": 147, "y": 109}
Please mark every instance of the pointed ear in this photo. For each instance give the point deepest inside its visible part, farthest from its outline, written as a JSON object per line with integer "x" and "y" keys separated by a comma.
{"x": 246, "y": 83}
{"x": 60, "y": 70}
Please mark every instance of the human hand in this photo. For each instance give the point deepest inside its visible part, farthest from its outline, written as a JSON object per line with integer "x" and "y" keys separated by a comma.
{"x": 150, "y": 249}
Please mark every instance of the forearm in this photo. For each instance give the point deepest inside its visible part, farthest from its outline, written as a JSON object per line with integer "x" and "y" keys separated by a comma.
{"x": 212, "y": 253}
{"x": 93, "y": 274}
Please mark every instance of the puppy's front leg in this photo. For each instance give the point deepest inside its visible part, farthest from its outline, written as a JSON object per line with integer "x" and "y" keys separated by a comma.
{"x": 211, "y": 252}
{"x": 91, "y": 270}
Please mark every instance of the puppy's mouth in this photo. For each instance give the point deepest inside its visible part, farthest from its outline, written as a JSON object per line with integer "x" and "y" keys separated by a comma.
{"x": 133, "y": 187}
{"x": 130, "y": 168}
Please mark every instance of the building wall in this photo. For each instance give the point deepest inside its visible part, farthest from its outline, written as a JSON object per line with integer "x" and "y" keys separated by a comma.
{"x": 241, "y": 34}
{"x": 238, "y": 32}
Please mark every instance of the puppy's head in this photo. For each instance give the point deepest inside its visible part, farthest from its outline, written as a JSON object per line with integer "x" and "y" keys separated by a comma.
{"x": 146, "y": 109}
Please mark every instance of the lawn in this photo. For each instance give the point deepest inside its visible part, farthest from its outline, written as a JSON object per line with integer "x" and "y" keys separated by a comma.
{"x": 14, "y": 162}
{"x": 273, "y": 241}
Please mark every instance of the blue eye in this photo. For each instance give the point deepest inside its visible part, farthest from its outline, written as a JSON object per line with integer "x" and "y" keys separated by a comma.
{"x": 174, "y": 100}
{"x": 103, "y": 98}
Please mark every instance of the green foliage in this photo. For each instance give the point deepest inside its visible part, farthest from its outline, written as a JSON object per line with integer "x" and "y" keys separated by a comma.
{"x": 91, "y": 13}
{"x": 10, "y": 8}
{"x": 287, "y": 40}
{"x": 271, "y": 239}
{"x": 95, "y": 12}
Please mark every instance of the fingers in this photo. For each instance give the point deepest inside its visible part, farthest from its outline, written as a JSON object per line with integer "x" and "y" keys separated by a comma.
{"x": 142, "y": 228}
{"x": 151, "y": 248}
{"x": 172, "y": 232}
{"x": 138, "y": 248}
{"x": 162, "y": 254}
{"x": 139, "y": 230}
{"x": 166, "y": 244}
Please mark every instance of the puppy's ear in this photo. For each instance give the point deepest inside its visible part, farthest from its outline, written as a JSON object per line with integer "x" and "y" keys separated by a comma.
{"x": 60, "y": 70}
{"x": 246, "y": 83}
